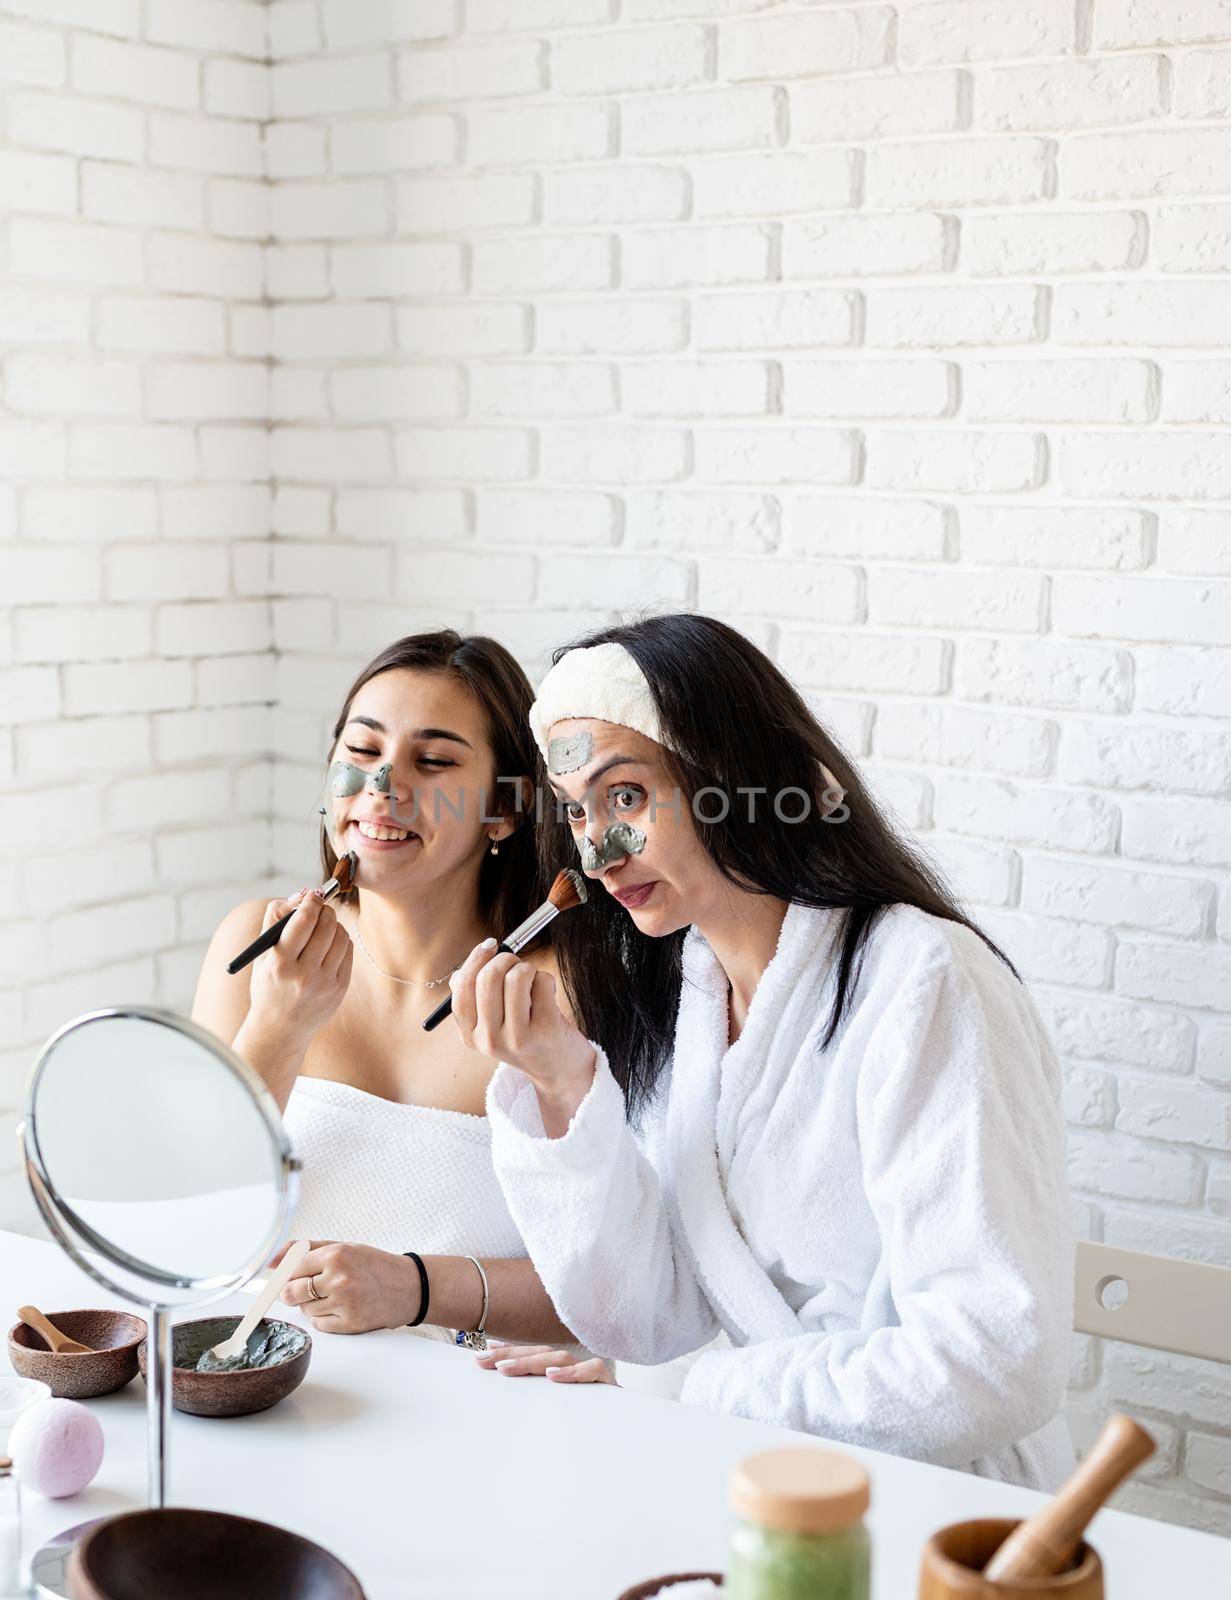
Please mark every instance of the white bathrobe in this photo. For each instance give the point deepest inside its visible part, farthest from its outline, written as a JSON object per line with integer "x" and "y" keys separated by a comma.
{"x": 882, "y": 1227}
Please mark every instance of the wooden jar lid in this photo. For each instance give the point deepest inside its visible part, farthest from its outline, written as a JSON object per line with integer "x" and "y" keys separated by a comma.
{"x": 800, "y": 1490}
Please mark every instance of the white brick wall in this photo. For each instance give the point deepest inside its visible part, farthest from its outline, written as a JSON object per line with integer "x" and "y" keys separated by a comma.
{"x": 126, "y": 417}
{"x": 898, "y": 334}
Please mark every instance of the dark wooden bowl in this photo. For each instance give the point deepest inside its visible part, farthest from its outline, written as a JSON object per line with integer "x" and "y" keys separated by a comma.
{"x": 663, "y": 1586}
{"x": 953, "y": 1560}
{"x": 203, "y": 1555}
{"x": 228, "y": 1394}
{"x": 108, "y": 1366}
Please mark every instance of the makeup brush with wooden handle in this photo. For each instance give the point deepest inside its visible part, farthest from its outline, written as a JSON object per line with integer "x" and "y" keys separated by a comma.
{"x": 567, "y": 891}
{"x": 343, "y": 879}
{"x": 1044, "y": 1544}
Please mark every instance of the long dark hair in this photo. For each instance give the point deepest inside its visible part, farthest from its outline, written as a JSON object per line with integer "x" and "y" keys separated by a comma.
{"x": 507, "y": 882}
{"x": 743, "y": 725}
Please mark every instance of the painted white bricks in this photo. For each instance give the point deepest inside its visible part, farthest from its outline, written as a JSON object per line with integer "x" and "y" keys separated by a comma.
{"x": 44, "y": 383}
{"x": 951, "y": 315}
{"x": 958, "y": 172}
{"x": 618, "y": 326}
{"x": 558, "y": 262}
{"x": 614, "y": 193}
{"x": 38, "y": 182}
{"x": 442, "y": 205}
{"x": 1126, "y": 313}
{"x": 230, "y": 27}
{"x": 465, "y": 71}
{"x": 1059, "y": 390}
{"x": 343, "y": 83}
{"x": 32, "y": 55}
{"x": 324, "y": 211}
{"x": 76, "y": 252}
{"x": 1007, "y": 243}
{"x": 804, "y": 46}
{"x": 186, "y": 264}
{"x": 367, "y": 144}
{"x": 786, "y": 319}
{"x": 347, "y": 26}
{"x": 1160, "y": 162}
{"x": 893, "y": 332}
{"x": 1126, "y": 24}
{"x": 503, "y": 136}
{"x": 78, "y": 126}
{"x": 1075, "y": 94}
{"x": 138, "y": 197}
{"x": 627, "y": 61}
{"x": 868, "y": 107}
{"x": 857, "y": 245}
{"x": 742, "y": 118}
{"x": 973, "y": 30}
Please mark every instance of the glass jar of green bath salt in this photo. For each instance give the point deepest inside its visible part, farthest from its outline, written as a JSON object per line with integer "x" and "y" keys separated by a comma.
{"x": 800, "y": 1534}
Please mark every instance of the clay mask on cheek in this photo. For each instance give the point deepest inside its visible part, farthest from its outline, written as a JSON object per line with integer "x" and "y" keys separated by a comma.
{"x": 619, "y": 840}
{"x": 566, "y": 755}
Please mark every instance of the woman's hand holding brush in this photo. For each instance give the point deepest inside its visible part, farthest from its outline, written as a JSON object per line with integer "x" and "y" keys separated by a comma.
{"x": 507, "y": 1009}
{"x": 299, "y": 984}
{"x": 295, "y": 988}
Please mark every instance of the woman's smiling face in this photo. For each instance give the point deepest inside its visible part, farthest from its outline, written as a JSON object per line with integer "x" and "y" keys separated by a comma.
{"x": 632, "y": 827}
{"x": 421, "y": 741}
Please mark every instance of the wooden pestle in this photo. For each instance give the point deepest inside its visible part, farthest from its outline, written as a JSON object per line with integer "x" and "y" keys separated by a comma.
{"x": 1044, "y": 1544}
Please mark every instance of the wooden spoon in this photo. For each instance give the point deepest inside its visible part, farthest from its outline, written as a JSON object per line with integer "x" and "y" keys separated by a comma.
{"x": 1044, "y": 1544}
{"x": 59, "y": 1342}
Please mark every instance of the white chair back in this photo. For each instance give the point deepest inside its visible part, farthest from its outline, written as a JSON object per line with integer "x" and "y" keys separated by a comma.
{"x": 1180, "y": 1306}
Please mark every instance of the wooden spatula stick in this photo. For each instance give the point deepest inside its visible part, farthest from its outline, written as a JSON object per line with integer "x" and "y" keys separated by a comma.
{"x": 274, "y": 1285}
{"x": 1044, "y": 1544}
{"x": 57, "y": 1341}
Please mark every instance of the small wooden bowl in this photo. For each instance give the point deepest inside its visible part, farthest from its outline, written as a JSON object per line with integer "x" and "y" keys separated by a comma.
{"x": 954, "y": 1558}
{"x": 108, "y": 1366}
{"x": 663, "y": 1586}
{"x": 228, "y": 1394}
{"x": 203, "y": 1555}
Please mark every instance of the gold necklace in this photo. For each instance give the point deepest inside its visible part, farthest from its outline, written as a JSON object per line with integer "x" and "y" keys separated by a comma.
{"x": 415, "y": 983}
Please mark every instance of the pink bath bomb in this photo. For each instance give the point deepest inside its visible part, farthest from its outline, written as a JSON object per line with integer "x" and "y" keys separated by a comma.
{"x": 57, "y": 1447}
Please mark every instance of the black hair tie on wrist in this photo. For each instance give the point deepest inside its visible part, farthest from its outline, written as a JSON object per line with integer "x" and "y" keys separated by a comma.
{"x": 418, "y": 1261}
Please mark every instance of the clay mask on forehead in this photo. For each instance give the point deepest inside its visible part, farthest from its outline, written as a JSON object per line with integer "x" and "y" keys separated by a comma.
{"x": 619, "y": 840}
{"x": 346, "y": 779}
{"x": 566, "y": 755}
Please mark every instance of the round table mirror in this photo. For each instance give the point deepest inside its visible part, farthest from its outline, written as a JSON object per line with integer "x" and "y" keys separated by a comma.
{"x": 158, "y": 1160}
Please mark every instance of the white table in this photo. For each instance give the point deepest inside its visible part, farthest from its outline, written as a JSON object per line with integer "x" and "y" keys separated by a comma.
{"x": 433, "y": 1479}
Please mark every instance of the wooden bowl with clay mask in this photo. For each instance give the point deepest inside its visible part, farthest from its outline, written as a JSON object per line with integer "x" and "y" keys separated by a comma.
{"x": 232, "y": 1393}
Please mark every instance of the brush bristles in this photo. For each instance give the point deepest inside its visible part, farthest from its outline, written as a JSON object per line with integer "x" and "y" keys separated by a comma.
{"x": 569, "y": 890}
{"x": 345, "y": 871}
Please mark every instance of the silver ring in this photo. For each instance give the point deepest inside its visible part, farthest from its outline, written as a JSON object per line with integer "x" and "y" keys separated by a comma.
{"x": 312, "y": 1289}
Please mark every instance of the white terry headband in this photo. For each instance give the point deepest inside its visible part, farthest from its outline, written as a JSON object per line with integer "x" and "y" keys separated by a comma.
{"x": 604, "y": 681}
{"x": 601, "y": 681}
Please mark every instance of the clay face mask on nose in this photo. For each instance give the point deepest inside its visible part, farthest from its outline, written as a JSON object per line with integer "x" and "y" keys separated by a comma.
{"x": 346, "y": 779}
{"x": 619, "y": 840}
{"x": 566, "y": 755}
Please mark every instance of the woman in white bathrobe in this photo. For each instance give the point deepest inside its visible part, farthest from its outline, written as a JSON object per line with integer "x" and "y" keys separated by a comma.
{"x": 809, "y": 1104}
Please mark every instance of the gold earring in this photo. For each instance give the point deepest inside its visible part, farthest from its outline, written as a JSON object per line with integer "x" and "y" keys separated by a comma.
{"x": 495, "y": 849}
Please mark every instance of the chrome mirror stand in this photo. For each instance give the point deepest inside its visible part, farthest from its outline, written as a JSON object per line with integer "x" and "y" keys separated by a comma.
{"x": 158, "y": 1291}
